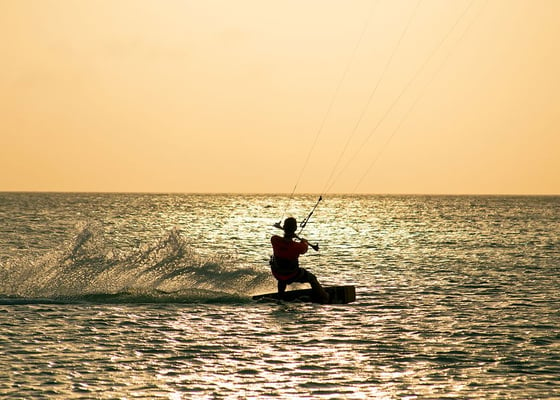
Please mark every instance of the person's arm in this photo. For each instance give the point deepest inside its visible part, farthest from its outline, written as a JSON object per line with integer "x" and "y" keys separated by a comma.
{"x": 303, "y": 245}
{"x": 313, "y": 246}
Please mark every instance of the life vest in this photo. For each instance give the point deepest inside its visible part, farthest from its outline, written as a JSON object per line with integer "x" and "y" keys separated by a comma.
{"x": 287, "y": 248}
{"x": 284, "y": 264}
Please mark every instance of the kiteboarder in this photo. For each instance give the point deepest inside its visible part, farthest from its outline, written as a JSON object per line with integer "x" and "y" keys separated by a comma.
{"x": 285, "y": 261}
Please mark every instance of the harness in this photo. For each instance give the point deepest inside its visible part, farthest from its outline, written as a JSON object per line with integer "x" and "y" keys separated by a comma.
{"x": 284, "y": 269}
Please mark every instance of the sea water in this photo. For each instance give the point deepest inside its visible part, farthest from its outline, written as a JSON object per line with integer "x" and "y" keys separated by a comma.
{"x": 143, "y": 296}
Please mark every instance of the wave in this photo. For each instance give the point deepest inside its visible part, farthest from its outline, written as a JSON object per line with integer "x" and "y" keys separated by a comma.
{"x": 88, "y": 269}
{"x": 136, "y": 297}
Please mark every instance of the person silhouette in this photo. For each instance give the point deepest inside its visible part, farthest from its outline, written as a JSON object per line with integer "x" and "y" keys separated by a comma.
{"x": 284, "y": 263}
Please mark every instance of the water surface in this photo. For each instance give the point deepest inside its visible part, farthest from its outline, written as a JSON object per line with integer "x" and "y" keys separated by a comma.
{"x": 148, "y": 296}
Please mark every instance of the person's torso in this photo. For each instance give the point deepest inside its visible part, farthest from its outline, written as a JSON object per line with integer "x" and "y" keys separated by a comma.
{"x": 287, "y": 248}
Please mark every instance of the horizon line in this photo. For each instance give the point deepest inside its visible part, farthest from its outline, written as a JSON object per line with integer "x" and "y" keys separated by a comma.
{"x": 256, "y": 193}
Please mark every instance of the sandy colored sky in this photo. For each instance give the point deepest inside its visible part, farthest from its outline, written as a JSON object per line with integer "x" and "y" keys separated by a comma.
{"x": 434, "y": 96}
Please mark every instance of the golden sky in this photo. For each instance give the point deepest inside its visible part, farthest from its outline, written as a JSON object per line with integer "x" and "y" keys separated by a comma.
{"x": 434, "y": 96}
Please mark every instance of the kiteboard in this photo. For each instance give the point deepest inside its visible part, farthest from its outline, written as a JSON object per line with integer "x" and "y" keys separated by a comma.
{"x": 337, "y": 295}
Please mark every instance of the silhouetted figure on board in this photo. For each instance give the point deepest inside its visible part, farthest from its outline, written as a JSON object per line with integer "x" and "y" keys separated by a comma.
{"x": 285, "y": 261}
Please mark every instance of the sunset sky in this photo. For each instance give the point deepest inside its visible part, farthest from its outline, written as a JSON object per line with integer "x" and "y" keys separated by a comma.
{"x": 340, "y": 96}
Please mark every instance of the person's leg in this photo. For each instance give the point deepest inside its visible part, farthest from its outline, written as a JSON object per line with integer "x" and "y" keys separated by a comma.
{"x": 281, "y": 288}
{"x": 316, "y": 286}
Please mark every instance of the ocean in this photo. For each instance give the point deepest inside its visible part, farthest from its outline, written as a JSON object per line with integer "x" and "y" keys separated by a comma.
{"x": 147, "y": 296}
